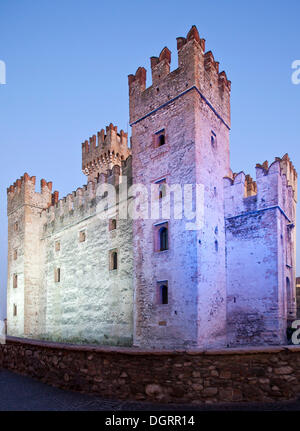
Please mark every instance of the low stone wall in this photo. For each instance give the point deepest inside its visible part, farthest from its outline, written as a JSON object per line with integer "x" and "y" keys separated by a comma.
{"x": 231, "y": 375}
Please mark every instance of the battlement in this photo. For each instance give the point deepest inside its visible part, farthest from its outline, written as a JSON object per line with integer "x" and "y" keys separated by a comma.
{"x": 103, "y": 152}
{"x": 82, "y": 202}
{"x": 286, "y": 167}
{"x": 275, "y": 185}
{"x": 196, "y": 68}
{"x": 22, "y": 192}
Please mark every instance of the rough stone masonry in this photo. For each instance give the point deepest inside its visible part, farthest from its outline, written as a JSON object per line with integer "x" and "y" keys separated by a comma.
{"x": 77, "y": 277}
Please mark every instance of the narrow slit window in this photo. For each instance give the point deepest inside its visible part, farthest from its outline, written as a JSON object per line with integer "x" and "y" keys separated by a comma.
{"x": 15, "y": 281}
{"x": 113, "y": 264}
{"x": 57, "y": 275}
{"x": 213, "y": 139}
{"x": 163, "y": 292}
{"x": 15, "y": 310}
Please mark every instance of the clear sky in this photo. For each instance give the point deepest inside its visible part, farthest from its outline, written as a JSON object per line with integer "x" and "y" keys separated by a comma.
{"x": 67, "y": 65}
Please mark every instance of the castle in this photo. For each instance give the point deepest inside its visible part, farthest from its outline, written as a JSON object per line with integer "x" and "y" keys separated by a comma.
{"x": 76, "y": 276}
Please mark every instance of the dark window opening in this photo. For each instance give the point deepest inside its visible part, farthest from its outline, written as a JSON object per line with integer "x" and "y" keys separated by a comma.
{"x": 15, "y": 310}
{"x": 113, "y": 261}
{"x": 161, "y": 140}
{"x": 213, "y": 139}
{"x": 164, "y": 294}
{"x": 112, "y": 224}
{"x": 15, "y": 282}
{"x": 57, "y": 275}
{"x": 216, "y": 246}
{"x": 163, "y": 239}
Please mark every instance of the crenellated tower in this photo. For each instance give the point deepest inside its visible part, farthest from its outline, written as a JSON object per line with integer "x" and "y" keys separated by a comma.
{"x": 180, "y": 135}
{"x": 25, "y": 296}
{"x": 103, "y": 152}
{"x": 261, "y": 253}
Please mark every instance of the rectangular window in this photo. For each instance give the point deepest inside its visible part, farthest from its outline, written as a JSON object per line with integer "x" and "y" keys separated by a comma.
{"x": 163, "y": 292}
{"x": 15, "y": 310}
{"x": 82, "y": 236}
{"x": 162, "y": 185}
{"x": 15, "y": 254}
{"x": 159, "y": 138}
{"x": 57, "y": 245}
{"x": 112, "y": 224}
{"x": 15, "y": 281}
{"x": 57, "y": 275}
{"x": 16, "y": 226}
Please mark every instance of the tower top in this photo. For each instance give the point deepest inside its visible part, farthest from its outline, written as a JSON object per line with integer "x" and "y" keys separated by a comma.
{"x": 111, "y": 150}
{"x": 197, "y": 70}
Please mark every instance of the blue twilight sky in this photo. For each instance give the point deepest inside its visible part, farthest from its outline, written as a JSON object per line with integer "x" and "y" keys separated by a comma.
{"x": 67, "y": 65}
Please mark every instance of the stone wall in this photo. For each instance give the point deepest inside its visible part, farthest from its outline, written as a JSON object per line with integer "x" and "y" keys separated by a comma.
{"x": 196, "y": 151}
{"x": 90, "y": 302}
{"x": 231, "y": 375}
{"x": 260, "y": 259}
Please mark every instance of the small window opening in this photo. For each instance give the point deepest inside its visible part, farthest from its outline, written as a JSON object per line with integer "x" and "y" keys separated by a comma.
{"x": 57, "y": 275}
{"x": 163, "y": 238}
{"x": 213, "y": 139}
{"x": 160, "y": 138}
{"x": 216, "y": 246}
{"x": 162, "y": 190}
{"x": 15, "y": 310}
{"x": 164, "y": 299}
{"x": 15, "y": 254}
{"x": 15, "y": 281}
{"x": 112, "y": 224}
{"x": 82, "y": 236}
{"x": 57, "y": 245}
{"x": 16, "y": 226}
{"x": 113, "y": 260}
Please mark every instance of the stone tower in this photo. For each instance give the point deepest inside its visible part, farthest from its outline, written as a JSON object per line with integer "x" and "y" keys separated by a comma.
{"x": 25, "y": 309}
{"x": 111, "y": 150}
{"x": 261, "y": 253}
{"x": 180, "y": 135}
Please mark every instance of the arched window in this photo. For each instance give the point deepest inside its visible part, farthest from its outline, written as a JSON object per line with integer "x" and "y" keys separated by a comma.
{"x": 164, "y": 294}
{"x": 163, "y": 238}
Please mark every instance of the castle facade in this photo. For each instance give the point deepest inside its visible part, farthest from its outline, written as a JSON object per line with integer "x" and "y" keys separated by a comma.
{"x": 77, "y": 276}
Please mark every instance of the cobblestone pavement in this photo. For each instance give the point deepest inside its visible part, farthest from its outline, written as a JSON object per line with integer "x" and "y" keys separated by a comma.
{"x": 21, "y": 393}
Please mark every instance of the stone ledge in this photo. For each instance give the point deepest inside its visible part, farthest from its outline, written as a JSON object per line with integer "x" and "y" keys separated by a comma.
{"x": 139, "y": 351}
